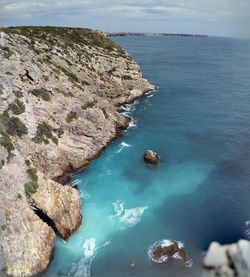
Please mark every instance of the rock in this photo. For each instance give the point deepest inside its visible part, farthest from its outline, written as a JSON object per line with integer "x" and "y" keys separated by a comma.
{"x": 63, "y": 90}
{"x": 240, "y": 257}
{"x": 183, "y": 255}
{"x": 151, "y": 157}
{"x": 228, "y": 261}
{"x": 61, "y": 204}
{"x": 215, "y": 257}
{"x": 168, "y": 251}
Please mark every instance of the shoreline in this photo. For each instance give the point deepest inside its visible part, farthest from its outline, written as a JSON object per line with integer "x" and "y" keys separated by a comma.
{"x": 66, "y": 178}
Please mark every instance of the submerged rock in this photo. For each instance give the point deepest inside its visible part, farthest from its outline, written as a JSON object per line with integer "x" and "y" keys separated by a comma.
{"x": 151, "y": 157}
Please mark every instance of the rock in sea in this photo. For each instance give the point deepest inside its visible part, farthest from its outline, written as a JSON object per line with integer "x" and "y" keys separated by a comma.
{"x": 161, "y": 251}
{"x": 151, "y": 157}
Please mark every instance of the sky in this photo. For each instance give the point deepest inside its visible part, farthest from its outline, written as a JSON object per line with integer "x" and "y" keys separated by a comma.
{"x": 211, "y": 17}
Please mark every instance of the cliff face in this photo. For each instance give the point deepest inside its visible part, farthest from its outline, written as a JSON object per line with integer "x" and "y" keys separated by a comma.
{"x": 60, "y": 92}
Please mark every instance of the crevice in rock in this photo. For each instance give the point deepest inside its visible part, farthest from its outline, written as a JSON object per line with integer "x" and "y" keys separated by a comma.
{"x": 46, "y": 219}
{"x": 27, "y": 74}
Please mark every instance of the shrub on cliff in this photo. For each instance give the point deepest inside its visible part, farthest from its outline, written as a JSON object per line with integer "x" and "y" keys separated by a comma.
{"x": 13, "y": 125}
{"x": 71, "y": 116}
{"x": 6, "y": 142}
{"x": 41, "y": 93}
{"x": 43, "y": 133}
{"x": 17, "y": 107}
{"x": 32, "y": 172}
{"x": 31, "y": 187}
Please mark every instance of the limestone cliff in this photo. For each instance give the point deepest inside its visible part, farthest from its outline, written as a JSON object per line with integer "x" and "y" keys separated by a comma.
{"x": 60, "y": 93}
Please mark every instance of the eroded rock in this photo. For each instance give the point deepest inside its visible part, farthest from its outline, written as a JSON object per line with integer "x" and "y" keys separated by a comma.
{"x": 62, "y": 120}
{"x": 151, "y": 157}
{"x": 161, "y": 251}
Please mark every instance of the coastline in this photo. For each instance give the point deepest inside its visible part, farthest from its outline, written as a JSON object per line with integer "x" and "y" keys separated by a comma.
{"x": 67, "y": 100}
{"x": 66, "y": 178}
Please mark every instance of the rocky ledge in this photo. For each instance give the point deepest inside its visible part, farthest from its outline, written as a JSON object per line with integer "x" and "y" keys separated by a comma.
{"x": 60, "y": 92}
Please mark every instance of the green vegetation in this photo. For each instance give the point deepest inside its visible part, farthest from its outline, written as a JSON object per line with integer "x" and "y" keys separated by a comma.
{"x": 3, "y": 227}
{"x": 71, "y": 116}
{"x": 65, "y": 36}
{"x": 27, "y": 162}
{"x": 12, "y": 125}
{"x": 41, "y": 93}
{"x": 1, "y": 89}
{"x": 85, "y": 83}
{"x": 6, "y": 142}
{"x": 43, "y": 133}
{"x": 88, "y": 105}
{"x": 32, "y": 172}
{"x": 66, "y": 94}
{"x": 60, "y": 132}
{"x": 2, "y": 163}
{"x": 31, "y": 187}
{"x": 7, "y": 53}
{"x": 17, "y": 107}
{"x": 18, "y": 93}
{"x": 71, "y": 76}
{"x": 127, "y": 77}
{"x": 19, "y": 196}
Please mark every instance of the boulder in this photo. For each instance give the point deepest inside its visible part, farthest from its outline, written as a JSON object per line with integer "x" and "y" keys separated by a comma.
{"x": 151, "y": 157}
{"x": 165, "y": 251}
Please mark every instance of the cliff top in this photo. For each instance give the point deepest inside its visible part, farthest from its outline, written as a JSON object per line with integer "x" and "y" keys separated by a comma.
{"x": 64, "y": 36}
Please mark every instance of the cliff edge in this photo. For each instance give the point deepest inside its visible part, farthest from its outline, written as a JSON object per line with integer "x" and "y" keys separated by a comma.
{"x": 60, "y": 93}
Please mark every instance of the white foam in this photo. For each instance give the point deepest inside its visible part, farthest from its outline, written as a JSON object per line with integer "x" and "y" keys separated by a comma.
{"x": 82, "y": 267}
{"x": 247, "y": 230}
{"x": 163, "y": 259}
{"x": 83, "y": 194}
{"x": 126, "y": 217}
{"x": 89, "y": 248}
{"x": 132, "y": 123}
{"x": 133, "y": 216}
{"x": 122, "y": 145}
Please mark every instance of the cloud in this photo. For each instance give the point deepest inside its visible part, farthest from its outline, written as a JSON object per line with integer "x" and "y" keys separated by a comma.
{"x": 104, "y": 13}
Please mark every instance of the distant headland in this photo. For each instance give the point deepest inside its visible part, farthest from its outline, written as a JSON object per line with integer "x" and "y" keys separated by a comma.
{"x": 123, "y": 34}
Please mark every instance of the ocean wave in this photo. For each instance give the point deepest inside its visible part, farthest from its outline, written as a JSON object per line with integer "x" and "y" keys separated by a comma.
{"x": 132, "y": 123}
{"x": 82, "y": 267}
{"x": 164, "y": 258}
{"x": 83, "y": 194}
{"x": 126, "y": 217}
{"x": 122, "y": 145}
{"x": 128, "y": 108}
{"x": 247, "y": 229}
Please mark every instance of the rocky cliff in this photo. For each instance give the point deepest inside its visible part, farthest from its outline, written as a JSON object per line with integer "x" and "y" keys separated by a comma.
{"x": 60, "y": 95}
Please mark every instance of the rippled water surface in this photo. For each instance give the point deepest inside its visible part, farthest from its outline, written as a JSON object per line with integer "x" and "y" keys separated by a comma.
{"x": 199, "y": 122}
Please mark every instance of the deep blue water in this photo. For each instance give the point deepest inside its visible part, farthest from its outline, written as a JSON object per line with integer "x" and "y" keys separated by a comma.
{"x": 199, "y": 122}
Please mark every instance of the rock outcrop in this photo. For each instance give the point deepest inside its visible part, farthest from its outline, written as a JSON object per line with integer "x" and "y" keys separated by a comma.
{"x": 151, "y": 157}
{"x": 60, "y": 93}
{"x": 163, "y": 250}
{"x": 228, "y": 261}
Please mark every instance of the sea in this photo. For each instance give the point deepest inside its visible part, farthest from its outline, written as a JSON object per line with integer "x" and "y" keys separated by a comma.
{"x": 198, "y": 121}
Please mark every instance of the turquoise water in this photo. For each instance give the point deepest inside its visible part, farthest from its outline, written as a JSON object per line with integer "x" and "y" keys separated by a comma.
{"x": 199, "y": 122}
